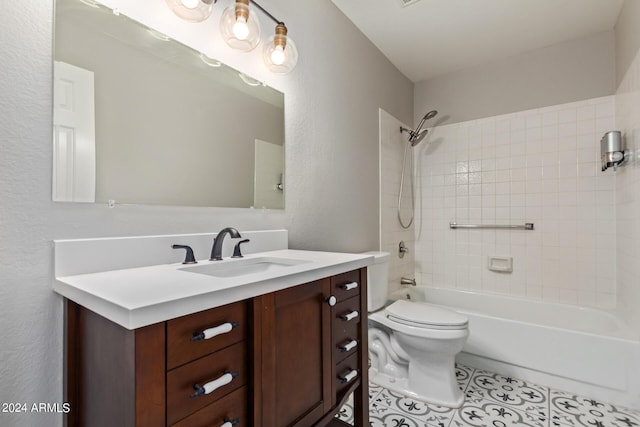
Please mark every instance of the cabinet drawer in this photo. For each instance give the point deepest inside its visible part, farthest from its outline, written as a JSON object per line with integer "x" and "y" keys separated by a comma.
{"x": 181, "y": 381}
{"x": 231, "y": 407}
{"x": 346, "y": 323}
{"x": 181, "y": 348}
{"x": 347, "y": 372}
{"x": 342, "y": 285}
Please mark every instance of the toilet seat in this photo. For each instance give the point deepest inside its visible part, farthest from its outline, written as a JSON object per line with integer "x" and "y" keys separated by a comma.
{"x": 424, "y": 315}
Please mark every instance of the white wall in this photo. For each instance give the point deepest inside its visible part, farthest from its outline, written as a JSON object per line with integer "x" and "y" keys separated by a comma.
{"x": 332, "y": 101}
{"x": 538, "y": 166}
{"x": 565, "y": 72}
{"x": 268, "y": 173}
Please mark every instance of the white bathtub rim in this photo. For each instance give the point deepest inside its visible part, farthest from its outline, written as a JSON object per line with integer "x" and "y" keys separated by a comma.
{"x": 624, "y": 332}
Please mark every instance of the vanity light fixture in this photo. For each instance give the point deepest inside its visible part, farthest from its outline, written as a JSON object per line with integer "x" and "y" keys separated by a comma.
{"x": 240, "y": 28}
{"x": 192, "y": 10}
{"x": 280, "y": 52}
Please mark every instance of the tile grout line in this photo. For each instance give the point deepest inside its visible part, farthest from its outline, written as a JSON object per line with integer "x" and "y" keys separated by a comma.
{"x": 464, "y": 393}
{"x": 549, "y": 406}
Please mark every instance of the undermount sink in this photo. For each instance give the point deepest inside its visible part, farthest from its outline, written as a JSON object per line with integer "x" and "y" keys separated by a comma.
{"x": 243, "y": 267}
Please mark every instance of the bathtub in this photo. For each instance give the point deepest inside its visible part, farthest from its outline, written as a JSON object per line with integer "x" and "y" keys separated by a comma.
{"x": 581, "y": 350}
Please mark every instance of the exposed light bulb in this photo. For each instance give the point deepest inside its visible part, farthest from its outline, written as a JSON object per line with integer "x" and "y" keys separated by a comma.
{"x": 190, "y": 4}
{"x": 191, "y": 10}
{"x": 277, "y": 56}
{"x": 280, "y": 54}
{"x": 240, "y": 28}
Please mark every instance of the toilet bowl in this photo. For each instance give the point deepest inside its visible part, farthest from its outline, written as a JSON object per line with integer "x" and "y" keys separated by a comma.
{"x": 412, "y": 345}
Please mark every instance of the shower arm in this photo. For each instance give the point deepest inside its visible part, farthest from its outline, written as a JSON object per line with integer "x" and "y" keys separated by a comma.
{"x": 404, "y": 129}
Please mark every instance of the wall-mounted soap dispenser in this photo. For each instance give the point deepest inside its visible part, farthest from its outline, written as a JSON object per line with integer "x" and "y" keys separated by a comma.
{"x": 612, "y": 152}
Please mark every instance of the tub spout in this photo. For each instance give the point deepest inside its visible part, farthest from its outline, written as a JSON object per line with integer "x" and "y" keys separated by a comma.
{"x": 407, "y": 281}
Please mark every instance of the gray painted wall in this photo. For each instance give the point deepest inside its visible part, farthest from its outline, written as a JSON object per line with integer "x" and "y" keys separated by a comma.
{"x": 627, "y": 34}
{"x": 332, "y": 102}
{"x": 566, "y": 72}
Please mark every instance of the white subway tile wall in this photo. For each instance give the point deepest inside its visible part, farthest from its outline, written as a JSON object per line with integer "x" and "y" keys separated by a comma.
{"x": 627, "y": 103}
{"x": 539, "y": 166}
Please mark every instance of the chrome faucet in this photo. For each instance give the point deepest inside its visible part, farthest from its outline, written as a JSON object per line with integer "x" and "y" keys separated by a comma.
{"x": 216, "y": 250}
{"x": 407, "y": 281}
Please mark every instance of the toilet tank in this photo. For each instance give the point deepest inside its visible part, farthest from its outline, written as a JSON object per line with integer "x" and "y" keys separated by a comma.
{"x": 377, "y": 280}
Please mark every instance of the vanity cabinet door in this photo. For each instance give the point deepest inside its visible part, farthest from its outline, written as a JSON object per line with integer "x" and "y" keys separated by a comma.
{"x": 296, "y": 348}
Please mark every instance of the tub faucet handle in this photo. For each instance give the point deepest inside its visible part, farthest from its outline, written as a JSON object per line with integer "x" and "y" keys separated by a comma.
{"x": 402, "y": 249}
{"x": 407, "y": 281}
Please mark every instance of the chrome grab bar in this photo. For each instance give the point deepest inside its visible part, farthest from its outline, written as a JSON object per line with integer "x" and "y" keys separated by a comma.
{"x": 526, "y": 226}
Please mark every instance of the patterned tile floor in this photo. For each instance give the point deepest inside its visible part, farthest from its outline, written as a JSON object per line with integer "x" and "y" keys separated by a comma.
{"x": 494, "y": 400}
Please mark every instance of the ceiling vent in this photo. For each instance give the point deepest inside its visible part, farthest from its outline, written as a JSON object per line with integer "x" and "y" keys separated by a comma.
{"x": 405, "y": 3}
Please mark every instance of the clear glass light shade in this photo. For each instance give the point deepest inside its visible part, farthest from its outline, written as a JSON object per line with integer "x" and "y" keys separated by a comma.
{"x": 280, "y": 54}
{"x": 192, "y": 10}
{"x": 240, "y": 27}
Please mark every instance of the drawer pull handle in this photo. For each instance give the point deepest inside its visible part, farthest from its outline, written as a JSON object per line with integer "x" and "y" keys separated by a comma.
{"x": 350, "y": 316}
{"x": 230, "y": 422}
{"x": 215, "y": 331}
{"x": 349, "y": 286}
{"x": 350, "y": 376}
{"x": 348, "y": 346}
{"x": 212, "y": 386}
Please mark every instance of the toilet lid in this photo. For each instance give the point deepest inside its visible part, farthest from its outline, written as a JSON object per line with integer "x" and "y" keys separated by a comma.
{"x": 421, "y": 314}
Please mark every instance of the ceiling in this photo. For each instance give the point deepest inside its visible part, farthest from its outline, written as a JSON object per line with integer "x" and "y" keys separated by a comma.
{"x": 427, "y": 38}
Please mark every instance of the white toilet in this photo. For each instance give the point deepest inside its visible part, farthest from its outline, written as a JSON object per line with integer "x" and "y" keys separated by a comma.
{"x": 412, "y": 345}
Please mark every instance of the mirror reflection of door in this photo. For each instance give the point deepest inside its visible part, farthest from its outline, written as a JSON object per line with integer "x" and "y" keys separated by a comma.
{"x": 74, "y": 148}
{"x": 269, "y": 173}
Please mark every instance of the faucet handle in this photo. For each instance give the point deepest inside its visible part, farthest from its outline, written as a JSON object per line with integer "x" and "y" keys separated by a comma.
{"x": 189, "y": 257}
{"x": 236, "y": 249}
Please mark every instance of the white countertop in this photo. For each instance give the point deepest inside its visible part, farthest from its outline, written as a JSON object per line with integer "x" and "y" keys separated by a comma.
{"x": 137, "y": 297}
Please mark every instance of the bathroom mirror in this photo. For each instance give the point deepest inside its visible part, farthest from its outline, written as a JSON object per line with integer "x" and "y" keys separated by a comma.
{"x": 142, "y": 119}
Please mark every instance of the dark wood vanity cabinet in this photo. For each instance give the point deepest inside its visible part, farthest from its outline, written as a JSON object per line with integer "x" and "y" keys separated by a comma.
{"x": 286, "y": 358}
{"x": 295, "y": 345}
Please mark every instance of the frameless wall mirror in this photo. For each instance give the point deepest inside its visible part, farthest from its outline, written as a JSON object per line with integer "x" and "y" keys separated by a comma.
{"x": 142, "y": 119}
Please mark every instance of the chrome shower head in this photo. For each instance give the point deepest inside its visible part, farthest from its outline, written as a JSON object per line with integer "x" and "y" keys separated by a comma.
{"x": 416, "y": 136}
{"x": 430, "y": 115}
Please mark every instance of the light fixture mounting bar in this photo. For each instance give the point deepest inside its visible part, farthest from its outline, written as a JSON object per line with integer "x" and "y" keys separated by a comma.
{"x": 273, "y": 18}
